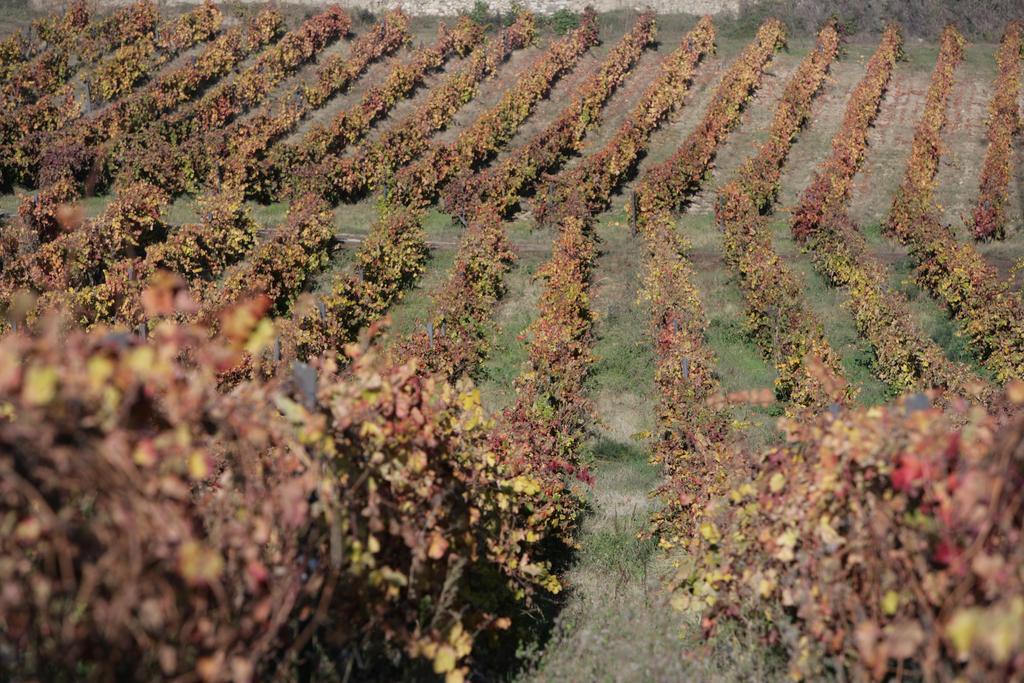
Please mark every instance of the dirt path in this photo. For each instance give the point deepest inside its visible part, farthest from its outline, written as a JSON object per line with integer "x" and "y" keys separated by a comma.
{"x": 618, "y": 624}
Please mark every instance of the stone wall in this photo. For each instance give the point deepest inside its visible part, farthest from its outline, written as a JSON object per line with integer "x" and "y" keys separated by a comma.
{"x": 454, "y": 7}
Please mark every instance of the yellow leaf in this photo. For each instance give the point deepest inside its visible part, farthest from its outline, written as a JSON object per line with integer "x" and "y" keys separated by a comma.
{"x": 417, "y": 461}
{"x": 1001, "y": 638}
{"x": 710, "y": 532}
{"x": 777, "y": 482}
{"x": 1015, "y": 391}
{"x": 961, "y": 631}
{"x": 552, "y": 585}
{"x": 827, "y": 533}
{"x": 890, "y": 603}
{"x": 470, "y": 399}
{"x": 199, "y": 564}
{"x": 393, "y": 577}
{"x": 680, "y": 602}
{"x": 198, "y": 469}
{"x": 100, "y": 369}
{"x": 786, "y": 542}
{"x": 1003, "y": 635}
{"x": 142, "y": 360}
{"x": 460, "y": 640}
{"x": 444, "y": 660}
{"x": 40, "y": 385}
{"x": 261, "y": 338}
{"x": 523, "y": 484}
{"x": 295, "y": 412}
